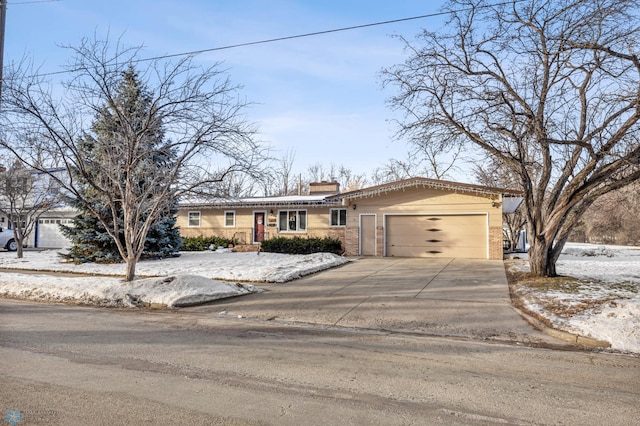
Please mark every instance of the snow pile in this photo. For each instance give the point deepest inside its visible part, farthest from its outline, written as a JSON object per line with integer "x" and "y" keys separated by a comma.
{"x": 605, "y": 304}
{"x": 225, "y": 266}
{"x": 192, "y": 278}
{"x": 172, "y": 292}
{"x": 617, "y": 322}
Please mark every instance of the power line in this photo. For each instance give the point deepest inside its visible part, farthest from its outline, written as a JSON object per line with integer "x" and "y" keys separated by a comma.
{"x": 272, "y": 40}
{"x": 3, "y": 14}
{"x": 335, "y": 30}
{"x": 291, "y": 37}
{"x": 13, "y": 3}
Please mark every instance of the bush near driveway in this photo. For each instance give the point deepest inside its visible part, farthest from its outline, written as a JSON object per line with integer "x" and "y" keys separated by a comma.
{"x": 298, "y": 245}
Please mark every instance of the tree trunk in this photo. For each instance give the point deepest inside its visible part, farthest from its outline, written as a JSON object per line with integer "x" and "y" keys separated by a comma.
{"x": 131, "y": 269}
{"x": 19, "y": 251}
{"x": 542, "y": 262}
{"x": 513, "y": 240}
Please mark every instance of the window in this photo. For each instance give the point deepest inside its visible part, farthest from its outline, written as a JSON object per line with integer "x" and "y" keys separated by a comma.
{"x": 338, "y": 217}
{"x": 194, "y": 219}
{"x": 18, "y": 220}
{"x": 293, "y": 221}
{"x": 230, "y": 219}
{"x": 18, "y": 184}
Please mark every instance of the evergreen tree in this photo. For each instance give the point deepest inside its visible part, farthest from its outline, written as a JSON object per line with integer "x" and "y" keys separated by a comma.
{"x": 90, "y": 240}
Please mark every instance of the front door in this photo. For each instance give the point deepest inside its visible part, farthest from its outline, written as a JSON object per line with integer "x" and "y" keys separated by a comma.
{"x": 258, "y": 226}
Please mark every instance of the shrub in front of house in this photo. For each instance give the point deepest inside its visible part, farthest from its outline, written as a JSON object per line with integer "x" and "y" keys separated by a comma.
{"x": 298, "y": 245}
{"x": 201, "y": 243}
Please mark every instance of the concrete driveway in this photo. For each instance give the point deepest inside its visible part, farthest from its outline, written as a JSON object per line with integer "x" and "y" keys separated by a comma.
{"x": 448, "y": 297}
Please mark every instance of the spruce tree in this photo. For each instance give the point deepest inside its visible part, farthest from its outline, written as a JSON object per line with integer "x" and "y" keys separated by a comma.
{"x": 90, "y": 240}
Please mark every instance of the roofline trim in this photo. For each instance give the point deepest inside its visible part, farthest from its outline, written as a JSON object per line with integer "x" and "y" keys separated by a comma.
{"x": 424, "y": 182}
{"x": 261, "y": 204}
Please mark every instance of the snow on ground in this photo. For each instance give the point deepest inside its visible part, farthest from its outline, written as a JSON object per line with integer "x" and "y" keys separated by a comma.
{"x": 193, "y": 277}
{"x": 605, "y": 304}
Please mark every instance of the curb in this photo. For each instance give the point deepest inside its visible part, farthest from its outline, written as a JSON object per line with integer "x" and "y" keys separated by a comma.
{"x": 588, "y": 342}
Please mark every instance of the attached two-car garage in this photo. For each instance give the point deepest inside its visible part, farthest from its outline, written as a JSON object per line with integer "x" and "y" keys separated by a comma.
{"x": 440, "y": 235}
{"x": 421, "y": 217}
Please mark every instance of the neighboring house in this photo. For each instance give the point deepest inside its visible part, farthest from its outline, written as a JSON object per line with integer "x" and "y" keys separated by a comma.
{"x": 416, "y": 217}
{"x": 46, "y": 232}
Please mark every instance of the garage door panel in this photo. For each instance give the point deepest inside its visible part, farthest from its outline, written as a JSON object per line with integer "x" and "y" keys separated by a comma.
{"x": 444, "y": 251}
{"x": 49, "y": 234}
{"x": 436, "y": 236}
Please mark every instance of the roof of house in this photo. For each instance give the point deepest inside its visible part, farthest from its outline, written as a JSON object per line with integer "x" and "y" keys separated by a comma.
{"x": 420, "y": 182}
{"x": 325, "y": 200}
{"x": 280, "y": 201}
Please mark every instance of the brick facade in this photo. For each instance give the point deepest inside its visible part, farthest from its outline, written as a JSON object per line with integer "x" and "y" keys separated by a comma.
{"x": 380, "y": 241}
{"x": 495, "y": 243}
{"x": 351, "y": 241}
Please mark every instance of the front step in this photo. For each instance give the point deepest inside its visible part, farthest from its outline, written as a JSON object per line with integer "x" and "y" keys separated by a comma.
{"x": 243, "y": 248}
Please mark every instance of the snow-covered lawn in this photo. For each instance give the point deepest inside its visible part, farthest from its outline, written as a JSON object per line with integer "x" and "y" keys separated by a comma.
{"x": 193, "y": 277}
{"x": 604, "y": 300}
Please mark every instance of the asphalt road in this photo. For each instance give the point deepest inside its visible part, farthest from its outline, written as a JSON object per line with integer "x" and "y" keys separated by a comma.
{"x": 75, "y": 365}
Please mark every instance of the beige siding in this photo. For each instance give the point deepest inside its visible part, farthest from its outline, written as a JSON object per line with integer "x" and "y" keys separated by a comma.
{"x": 420, "y": 202}
{"x": 212, "y": 223}
{"x": 427, "y": 201}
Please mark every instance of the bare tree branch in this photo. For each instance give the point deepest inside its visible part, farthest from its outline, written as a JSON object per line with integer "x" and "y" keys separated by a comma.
{"x": 206, "y": 137}
{"x": 548, "y": 88}
{"x": 25, "y": 195}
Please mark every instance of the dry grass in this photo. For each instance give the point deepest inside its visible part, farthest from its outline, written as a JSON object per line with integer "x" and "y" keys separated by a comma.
{"x": 522, "y": 284}
{"x": 561, "y": 283}
{"x": 527, "y": 286}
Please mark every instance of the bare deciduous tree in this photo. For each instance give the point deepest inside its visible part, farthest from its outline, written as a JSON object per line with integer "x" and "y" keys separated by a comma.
{"x": 279, "y": 179}
{"x": 206, "y": 136}
{"x": 547, "y": 87}
{"x": 491, "y": 172}
{"x": 347, "y": 178}
{"x": 24, "y": 196}
{"x": 612, "y": 219}
{"x": 285, "y": 172}
{"x": 435, "y": 161}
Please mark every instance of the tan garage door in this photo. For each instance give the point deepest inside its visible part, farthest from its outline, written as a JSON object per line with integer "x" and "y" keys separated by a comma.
{"x": 462, "y": 236}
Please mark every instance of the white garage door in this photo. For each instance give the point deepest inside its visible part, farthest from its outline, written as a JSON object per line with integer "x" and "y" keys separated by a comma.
{"x": 463, "y": 236}
{"x": 49, "y": 235}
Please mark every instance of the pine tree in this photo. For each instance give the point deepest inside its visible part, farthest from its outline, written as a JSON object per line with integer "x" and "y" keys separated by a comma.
{"x": 90, "y": 240}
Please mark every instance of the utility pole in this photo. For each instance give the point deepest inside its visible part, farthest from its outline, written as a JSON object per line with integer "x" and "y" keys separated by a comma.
{"x": 3, "y": 14}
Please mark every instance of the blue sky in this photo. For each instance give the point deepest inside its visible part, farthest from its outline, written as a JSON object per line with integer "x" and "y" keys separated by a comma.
{"x": 319, "y": 96}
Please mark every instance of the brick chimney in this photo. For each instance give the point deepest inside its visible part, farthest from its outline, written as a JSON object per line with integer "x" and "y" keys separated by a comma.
{"x": 324, "y": 188}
